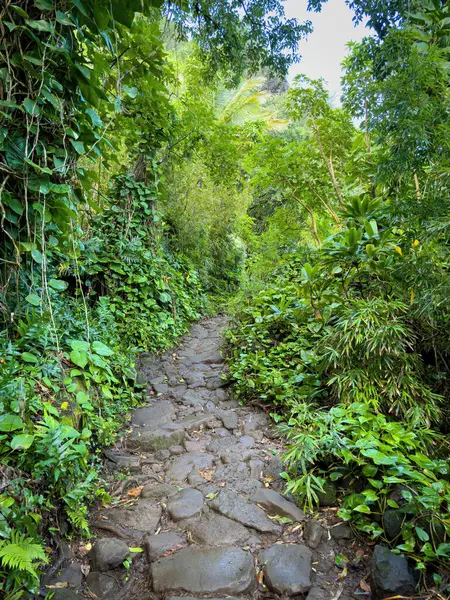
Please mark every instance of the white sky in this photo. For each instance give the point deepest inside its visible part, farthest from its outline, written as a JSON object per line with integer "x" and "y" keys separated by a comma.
{"x": 324, "y": 50}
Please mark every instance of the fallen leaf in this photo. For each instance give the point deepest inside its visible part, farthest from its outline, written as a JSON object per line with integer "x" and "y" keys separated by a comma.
{"x": 135, "y": 492}
{"x": 58, "y": 586}
{"x": 364, "y": 585}
{"x": 260, "y": 578}
{"x": 222, "y": 484}
{"x": 207, "y": 474}
{"x": 85, "y": 569}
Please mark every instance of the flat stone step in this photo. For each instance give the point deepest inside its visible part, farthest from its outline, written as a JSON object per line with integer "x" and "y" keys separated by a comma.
{"x": 205, "y": 571}
{"x": 216, "y": 530}
{"x": 231, "y": 505}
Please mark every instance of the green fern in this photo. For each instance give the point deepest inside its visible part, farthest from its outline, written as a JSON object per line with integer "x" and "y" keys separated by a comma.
{"x": 21, "y": 553}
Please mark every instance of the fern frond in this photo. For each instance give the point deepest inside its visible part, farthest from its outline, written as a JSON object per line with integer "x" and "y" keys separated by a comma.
{"x": 21, "y": 553}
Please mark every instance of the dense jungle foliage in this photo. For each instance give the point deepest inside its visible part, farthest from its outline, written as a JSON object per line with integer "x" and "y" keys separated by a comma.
{"x": 154, "y": 162}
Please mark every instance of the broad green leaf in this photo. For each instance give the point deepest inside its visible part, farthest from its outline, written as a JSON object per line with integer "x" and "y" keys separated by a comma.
{"x": 44, "y": 26}
{"x": 79, "y": 358}
{"x": 22, "y": 441}
{"x": 37, "y": 256}
{"x": 31, "y": 107}
{"x": 422, "y": 534}
{"x": 28, "y": 357}
{"x": 100, "y": 348}
{"x": 79, "y": 345}
{"x": 78, "y": 146}
{"x": 44, "y": 4}
{"x": 130, "y": 91}
{"x": 96, "y": 121}
{"x": 362, "y": 508}
{"x": 58, "y": 284}
{"x": 10, "y": 422}
{"x": 33, "y": 299}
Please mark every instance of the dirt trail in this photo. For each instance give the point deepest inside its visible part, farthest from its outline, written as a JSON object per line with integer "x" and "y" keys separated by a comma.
{"x": 202, "y": 499}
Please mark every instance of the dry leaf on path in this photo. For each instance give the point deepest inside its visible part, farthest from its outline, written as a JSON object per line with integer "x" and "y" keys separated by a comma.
{"x": 135, "y": 492}
{"x": 207, "y": 474}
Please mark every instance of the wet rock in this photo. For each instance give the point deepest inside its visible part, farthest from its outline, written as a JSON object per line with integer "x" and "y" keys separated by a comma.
{"x": 275, "y": 504}
{"x": 390, "y": 575}
{"x": 205, "y": 571}
{"x": 102, "y": 585}
{"x": 122, "y": 460}
{"x": 287, "y": 568}
{"x": 231, "y": 505}
{"x": 185, "y": 504}
{"x": 108, "y": 553}
{"x": 157, "y": 545}
{"x": 314, "y": 534}
{"x": 143, "y": 516}
{"x": 342, "y": 531}
{"x": 183, "y": 465}
{"x": 216, "y": 530}
{"x": 158, "y": 491}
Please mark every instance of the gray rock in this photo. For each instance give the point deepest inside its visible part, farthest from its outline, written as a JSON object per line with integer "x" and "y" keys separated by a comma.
{"x": 152, "y": 439}
{"x": 194, "y": 422}
{"x": 195, "y": 445}
{"x": 254, "y": 425}
{"x": 108, "y": 553}
{"x": 73, "y": 575}
{"x": 275, "y": 504}
{"x": 256, "y": 468}
{"x": 65, "y": 595}
{"x": 329, "y": 495}
{"x": 231, "y": 505}
{"x": 392, "y": 523}
{"x": 163, "y": 454}
{"x": 247, "y": 440}
{"x": 217, "y": 530}
{"x": 222, "y": 432}
{"x": 197, "y": 598}
{"x": 317, "y": 593}
{"x": 102, "y": 585}
{"x": 287, "y": 568}
{"x": 176, "y": 450}
{"x": 183, "y": 465}
{"x": 157, "y": 545}
{"x": 153, "y": 416}
{"x": 143, "y": 516}
{"x": 193, "y": 398}
{"x": 220, "y": 395}
{"x": 229, "y": 418}
{"x": 390, "y": 575}
{"x": 185, "y": 504}
{"x": 122, "y": 460}
{"x": 314, "y": 533}
{"x": 161, "y": 388}
{"x": 342, "y": 531}
{"x": 158, "y": 491}
{"x": 205, "y": 571}
{"x": 215, "y": 383}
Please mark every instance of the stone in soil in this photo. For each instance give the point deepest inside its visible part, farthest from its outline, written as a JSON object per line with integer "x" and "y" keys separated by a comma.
{"x": 143, "y": 516}
{"x": 157, "y": 414}
{"x": 254, "y": 424}
{"x": 287, "y": 568}
{"x": 229, "y": 418}
{"x": 183, "y": 465}
{"x": 230, "y": 504}
{"x": 150, "y": 439}
{"x": 390, "y": 575}
{"x": 205, "y": 571}
{"x": 341, "y": 531}
{"x": 275, "y": 504}
{"x": 161, "y": 388}
{"x": 185, "y": 504}
{"x": 102, "y": 585}
{"x": 194, "y": 422}
{"x": 108, "y": 553}
{"x": 216, "y": 530}
{"x": 72, "y": 575}
{"x": 158, "y": 491}
{"x": 314, "y": 534}
{"x": 122, "y": 460}
{"x": 157, "y": 545}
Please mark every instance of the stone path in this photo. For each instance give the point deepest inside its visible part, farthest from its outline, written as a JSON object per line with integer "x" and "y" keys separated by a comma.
{"x": 202, "y": 498}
